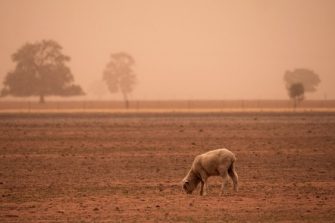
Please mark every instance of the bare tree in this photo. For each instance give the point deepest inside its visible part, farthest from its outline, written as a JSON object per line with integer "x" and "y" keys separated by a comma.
{"x": 119, "y": 75}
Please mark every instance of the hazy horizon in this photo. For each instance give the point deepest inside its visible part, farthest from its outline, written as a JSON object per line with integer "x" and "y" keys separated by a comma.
{"x": 183, "y": 49}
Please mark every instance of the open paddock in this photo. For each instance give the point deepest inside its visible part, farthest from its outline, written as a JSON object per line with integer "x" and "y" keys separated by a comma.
{"x": 127, "y": 167}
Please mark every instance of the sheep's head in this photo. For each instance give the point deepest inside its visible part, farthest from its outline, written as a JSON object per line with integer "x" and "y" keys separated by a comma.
{"x": 187, "y": 187}
{"x": 190, "y": 185}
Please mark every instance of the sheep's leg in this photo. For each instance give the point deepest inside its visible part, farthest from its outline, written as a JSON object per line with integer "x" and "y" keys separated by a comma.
{"x": 206, "y": 186}
{"x": 224, "y": 183}
{"x": 203, "y": 189}
{"x": 234, "y": 177}
{"x": 223, "y": 172}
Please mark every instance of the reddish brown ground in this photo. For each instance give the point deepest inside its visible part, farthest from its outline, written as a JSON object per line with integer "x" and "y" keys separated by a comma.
{"x": 128, "y": 167}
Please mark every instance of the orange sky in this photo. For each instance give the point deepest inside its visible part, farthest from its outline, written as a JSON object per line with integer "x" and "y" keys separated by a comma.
{"x": 184, "y": 49}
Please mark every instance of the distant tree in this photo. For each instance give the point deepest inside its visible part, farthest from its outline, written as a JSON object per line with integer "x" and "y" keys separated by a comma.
{"x": 300, "y": 81}
{"x": 119, "y": 75}
{"x": 40, "y": 71}
{"x": 296, "y": 93}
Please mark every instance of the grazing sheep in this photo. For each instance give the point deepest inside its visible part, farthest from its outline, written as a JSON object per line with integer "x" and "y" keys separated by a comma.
{"x": 219, "y": 162}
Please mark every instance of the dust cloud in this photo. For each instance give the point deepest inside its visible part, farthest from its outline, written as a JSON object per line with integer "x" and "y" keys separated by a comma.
{"x": 188, "y": 49}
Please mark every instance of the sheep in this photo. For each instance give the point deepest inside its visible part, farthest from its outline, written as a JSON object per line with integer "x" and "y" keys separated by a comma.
{"x": 219, "y": 162}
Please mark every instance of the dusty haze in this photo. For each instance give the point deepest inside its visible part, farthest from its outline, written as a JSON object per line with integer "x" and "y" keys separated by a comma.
{"x": 218, "y": 49}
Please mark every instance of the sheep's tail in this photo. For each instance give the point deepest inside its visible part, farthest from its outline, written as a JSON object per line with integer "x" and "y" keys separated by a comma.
{"x": 231, "y": 168}
{"x": 232, "y": 173}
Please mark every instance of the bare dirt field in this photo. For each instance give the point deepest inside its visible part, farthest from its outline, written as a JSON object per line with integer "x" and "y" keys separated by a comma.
{"x": 105, "y": 167}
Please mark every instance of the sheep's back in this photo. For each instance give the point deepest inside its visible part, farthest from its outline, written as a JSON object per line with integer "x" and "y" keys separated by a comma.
{"x": 211, "y": 160}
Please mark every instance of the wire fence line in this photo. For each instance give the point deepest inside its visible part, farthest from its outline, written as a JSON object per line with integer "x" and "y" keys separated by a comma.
{"x": 183, "y": 105}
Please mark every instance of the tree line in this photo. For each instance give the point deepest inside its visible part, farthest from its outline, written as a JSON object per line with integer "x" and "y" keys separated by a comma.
{"x": 41, "y": 70}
